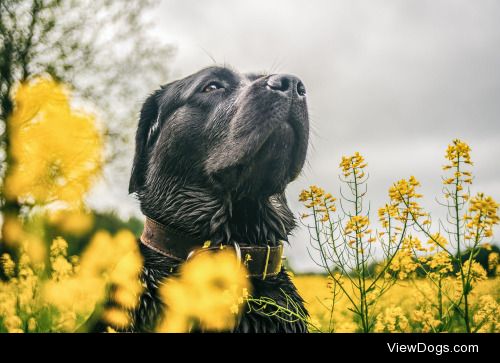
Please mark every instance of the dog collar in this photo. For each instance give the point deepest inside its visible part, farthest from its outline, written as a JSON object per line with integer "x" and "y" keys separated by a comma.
{"x": 260, "y": 261}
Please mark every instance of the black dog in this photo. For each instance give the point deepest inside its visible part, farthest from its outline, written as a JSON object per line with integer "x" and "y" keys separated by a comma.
{"x": 214, "y": 153}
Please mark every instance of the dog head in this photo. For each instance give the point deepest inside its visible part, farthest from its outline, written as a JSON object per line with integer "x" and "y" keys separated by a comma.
{"x": 243, "y": 134}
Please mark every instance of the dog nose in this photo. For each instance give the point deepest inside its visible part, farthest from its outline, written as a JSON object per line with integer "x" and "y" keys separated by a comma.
{"x": 286, "y": 83}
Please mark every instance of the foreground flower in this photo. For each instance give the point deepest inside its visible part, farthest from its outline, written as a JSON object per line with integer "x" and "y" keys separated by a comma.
{"x": 56, "y": 149}
{"x": 208, "y": 294}
{"x": 61, "y": 297}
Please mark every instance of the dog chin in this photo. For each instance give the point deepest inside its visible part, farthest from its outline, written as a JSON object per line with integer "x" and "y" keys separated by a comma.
{"x": 267, "y": 171}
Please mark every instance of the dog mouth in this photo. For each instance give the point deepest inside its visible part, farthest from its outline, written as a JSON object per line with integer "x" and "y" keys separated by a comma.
{"x": 275, "y": 159}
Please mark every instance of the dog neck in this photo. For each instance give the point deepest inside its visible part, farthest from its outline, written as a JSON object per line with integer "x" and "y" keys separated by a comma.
{"x": 199, "y": 214}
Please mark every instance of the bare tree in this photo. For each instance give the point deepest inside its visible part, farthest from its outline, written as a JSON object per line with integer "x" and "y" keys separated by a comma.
{"x": 103, "y": 49}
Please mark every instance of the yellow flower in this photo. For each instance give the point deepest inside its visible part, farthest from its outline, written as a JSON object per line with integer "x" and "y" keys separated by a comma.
{"x": 353, "y": 164}
{"x": 125, "y": 278}
{"x": 403, "y": 197}
{"x": 206, "y": 294}
{"x": 482, "y": 216}
{"x": 487, "y": 318}
{"x": 13, "y": 230}
{"x": 8, "y": 266}
{"x": 76, "y": 222}
{"x": 116, "y": 317}
{"x": 77, "y": 293}
{"x": 437, "y": 240}
{"x": 59, "y": 247}
{"x": 474, "y": 271}
{"x": 493, "y": 261}
{"x": 458, "y": 153}
{"x": 392, "y": 320}
{"x": 105, "y": 251}
{"x": 426, "y": 319}
{"x": 57, "y": 150}
{"x": 404, "y": 262}
{"x": 386, "y": 213}
{"x": 13, "y": 324}
{"x": 320, "y": 202}
{"x": 440, "y": 264}
{"x": 458, "y": 150}
{"x": 76, "y": 289}
{"x": 66, "y": 321}
{"x": 357, "y": 228}
{"x": 32, "y": 325}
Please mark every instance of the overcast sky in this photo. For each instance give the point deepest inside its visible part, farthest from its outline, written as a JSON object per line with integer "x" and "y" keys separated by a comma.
{"x": 395, "y": 80}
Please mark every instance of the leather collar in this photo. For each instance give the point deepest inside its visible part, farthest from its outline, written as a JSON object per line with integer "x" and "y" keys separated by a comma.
{"x": 260, "y": 261}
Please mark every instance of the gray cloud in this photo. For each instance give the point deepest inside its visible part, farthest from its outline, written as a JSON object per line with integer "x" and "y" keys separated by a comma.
{"x": 395, "y": 80}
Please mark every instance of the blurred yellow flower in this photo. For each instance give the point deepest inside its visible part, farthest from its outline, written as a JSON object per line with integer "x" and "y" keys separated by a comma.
{"x": 440, "y": 264}
{"x": 56, "y": 149}
{"x": 105, "y": 251}
{"x": 125, "y": 279}
{"x": 426, "y": 319}
{"x": 8, "y": 266}
{"x": 392, "y": 320}
{"x": 437, "y": 240}
{"x": 72, "y": 221}
{"x": 116, "y": 317}
{"x": 76, "y": 293}
{"x": 13, "y": 230}
{"x": 493, "y": 260}
{"x": 473, "y": 271}
{"x": 13, "y": 324}
{"x": 211, "y": 288}
{"x": 487, "y": 317}
{"x": 32, "y": 325}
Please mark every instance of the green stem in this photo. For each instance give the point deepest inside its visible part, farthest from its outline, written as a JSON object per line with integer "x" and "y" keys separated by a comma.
{"x": 440, "y": 298}
{"x": 465, "y": 285}
{"x": 360, "y": 265}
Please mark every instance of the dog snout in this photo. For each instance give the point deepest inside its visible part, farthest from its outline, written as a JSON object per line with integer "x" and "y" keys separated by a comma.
{"x": 287, "y": 84}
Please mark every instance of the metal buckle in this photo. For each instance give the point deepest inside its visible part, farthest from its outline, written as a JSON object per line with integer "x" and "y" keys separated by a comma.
{"x": 238, "y": 252}
{"x": 190, "y": 255}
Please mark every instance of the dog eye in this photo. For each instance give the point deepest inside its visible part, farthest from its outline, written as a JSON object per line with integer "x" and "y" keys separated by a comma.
{"x": 212, "y": 86}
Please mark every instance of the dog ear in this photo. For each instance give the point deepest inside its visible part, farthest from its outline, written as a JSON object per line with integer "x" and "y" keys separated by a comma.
{"x": 148, "y": 118}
